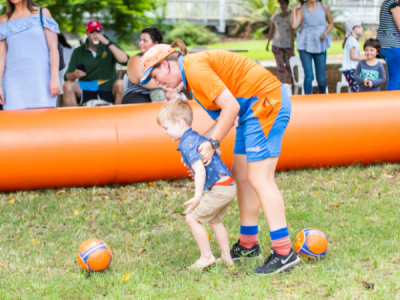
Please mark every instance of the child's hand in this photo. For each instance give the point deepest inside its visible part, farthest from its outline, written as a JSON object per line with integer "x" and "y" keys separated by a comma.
{"x": 193, "y": 203}
{"x": 366, "y": 80}
{"x": 370, "y": 84}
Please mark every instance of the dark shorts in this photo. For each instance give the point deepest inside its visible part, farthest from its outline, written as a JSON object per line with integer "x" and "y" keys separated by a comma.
{"x": 133, "y": 98}
{"x": 96, "y": 95}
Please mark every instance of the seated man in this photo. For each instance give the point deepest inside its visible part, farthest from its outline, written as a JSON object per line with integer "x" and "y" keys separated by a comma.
{"x": 93, "y": 63}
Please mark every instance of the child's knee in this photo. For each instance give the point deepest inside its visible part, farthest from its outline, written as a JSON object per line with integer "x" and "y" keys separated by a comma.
{"x": 190, "y": 219}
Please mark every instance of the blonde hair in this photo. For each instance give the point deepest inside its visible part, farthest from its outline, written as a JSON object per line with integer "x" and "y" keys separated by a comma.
{"x": 174, "y": 110}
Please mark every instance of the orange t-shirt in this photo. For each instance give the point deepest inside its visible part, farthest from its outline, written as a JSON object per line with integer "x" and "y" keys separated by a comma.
{"x": 209, "y": 73}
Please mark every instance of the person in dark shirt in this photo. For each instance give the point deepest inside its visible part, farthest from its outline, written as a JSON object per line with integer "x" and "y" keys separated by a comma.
{"x": 215, "y": 179}
{"x": 93, "y": 63}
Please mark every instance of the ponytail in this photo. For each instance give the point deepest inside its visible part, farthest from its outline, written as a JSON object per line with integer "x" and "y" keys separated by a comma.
{"x": 345, "y": 40}
{"x": 181, "y": 45}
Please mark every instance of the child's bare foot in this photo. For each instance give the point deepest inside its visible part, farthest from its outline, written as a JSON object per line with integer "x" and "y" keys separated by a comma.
{"x": 228, "y": 260}
{"x": 203, "y": 263}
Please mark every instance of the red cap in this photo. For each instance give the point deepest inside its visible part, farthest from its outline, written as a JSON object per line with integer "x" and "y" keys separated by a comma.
{"x": 93, "y": 26}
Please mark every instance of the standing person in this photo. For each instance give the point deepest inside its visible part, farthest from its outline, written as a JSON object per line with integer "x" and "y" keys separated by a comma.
{"x": 215, "y": 179}
{"x": 67, "y": 52}
{"x": 283, "y": 39}
{"x": 29, "y": 57}
{"x": 313, "y": 39}
{"x": 389, "y": 35}
{"x": 351, "y": 55}
{"x": 370, "y": 73}
{"x": 93, "y": 64}
{"x": 135, "y": 92}
{"x": 223, "y": 83}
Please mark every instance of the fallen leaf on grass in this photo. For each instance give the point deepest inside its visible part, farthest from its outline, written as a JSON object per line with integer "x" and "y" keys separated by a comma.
{"x": 23, "y": 193}
{"x": 23, "y": 217}
{"x": 76, "y": 212}
{"x": 17, "y": 245}
{"x": 61, "y": 192}
{"x": 11, "y": 201}
{"x": 37, "y": 195}
{"x": 35, "y": 242}
{"x": 114, "y": 216}
{"x": 122, "y": 188}
{"x": 314, "y": 267}
{"x": 384, "y": 175}
{"x": 132, "y": 220}
{"x": 125, "y": 277}
{"x": 368, "y": 285}
{"x": 123, "y": 197}
{"x": 334, "y": 204}
{"x": 43, "y": 207}
{"x": 3, "y": 265}
{"x": 152, "y": 184}
{"x": 275, "y": 282}
{"x": 105, "y": 197}
{"x": 10, "y": 195}
{"x": 167, "y": 192}
{"x": 141, "y": 250}
{"x": 73, "y": 194}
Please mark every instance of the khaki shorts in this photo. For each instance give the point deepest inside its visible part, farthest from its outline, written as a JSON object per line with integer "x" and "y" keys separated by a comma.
{"x": 214, "y": 204}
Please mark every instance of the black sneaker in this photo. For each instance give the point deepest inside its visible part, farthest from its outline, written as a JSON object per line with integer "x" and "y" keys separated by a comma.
{"x": 239, "y": 251}
{"x": 277, "y": 263}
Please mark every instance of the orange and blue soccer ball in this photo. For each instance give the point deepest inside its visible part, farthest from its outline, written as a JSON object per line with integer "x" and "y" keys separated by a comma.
{"x": 94, "y": 255}
{"x": 311, "y": 243}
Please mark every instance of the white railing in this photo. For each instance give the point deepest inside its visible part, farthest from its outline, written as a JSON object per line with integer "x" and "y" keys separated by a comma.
{"x": 207, "y": 12}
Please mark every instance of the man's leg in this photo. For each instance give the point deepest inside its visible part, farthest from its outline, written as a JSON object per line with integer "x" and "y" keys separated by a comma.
{"x": 72, "y": 91}
{"x": 118, "y": 91}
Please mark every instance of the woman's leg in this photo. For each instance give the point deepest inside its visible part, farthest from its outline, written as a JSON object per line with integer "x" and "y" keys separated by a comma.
{"x": 249, "y": 208}
{"x": 391, "y": 56}
{"x": 320, "y": 70}
{"x": 262, "y": 178}
{"x": 306, "y": 61}
{"x": 287, "y": 54}
{"x": 280, "y": 65}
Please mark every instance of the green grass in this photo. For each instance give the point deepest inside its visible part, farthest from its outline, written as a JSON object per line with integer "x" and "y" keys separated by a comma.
{"x": 256, "y": 49}
{"x": 40, "y": 235}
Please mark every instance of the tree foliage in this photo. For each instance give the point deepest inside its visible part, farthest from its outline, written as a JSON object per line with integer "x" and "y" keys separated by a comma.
{"x": 125, "y": 16}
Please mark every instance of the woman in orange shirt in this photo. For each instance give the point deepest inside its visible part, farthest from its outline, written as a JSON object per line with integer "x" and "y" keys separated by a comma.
{"x": 228, "y": 85}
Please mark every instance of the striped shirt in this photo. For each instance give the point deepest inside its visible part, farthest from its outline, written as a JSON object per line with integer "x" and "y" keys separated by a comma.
{"x": 388, "y": 33}
{"x": 135, "y": 88}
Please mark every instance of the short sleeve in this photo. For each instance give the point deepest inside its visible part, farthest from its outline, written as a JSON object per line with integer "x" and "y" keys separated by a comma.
{"x": 273, "y": 18}
{"x": 393, "y": 5}
{"x": 51, "y": 24}
{"x": 72, "y": 63}
{"x": 189, "y": 151}
{"x": 204, "y": 82}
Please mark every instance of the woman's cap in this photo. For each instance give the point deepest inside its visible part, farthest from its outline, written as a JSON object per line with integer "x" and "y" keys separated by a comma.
{"x": 350, "y": 24}
{"x": 94, "y": 25}
{"x": 152, "y": 57}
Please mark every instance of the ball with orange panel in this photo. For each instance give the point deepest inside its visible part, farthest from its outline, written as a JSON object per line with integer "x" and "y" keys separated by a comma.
{"x": 94, "y": 255}
{"x": 52, "y": 148}
{"x": 311, "y": 243}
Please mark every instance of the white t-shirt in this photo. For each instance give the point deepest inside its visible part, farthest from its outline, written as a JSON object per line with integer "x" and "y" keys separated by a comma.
{"x": 282, "y": 38}
{"x": 349, "y": 64}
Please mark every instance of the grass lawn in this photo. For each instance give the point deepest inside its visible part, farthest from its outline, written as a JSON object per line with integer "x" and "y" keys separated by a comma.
{"x": 256, "y": 48}
{"x": 357, "y": 208}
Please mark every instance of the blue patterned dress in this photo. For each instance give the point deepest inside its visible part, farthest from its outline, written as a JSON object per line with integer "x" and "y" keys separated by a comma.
{"x": 26, "y": 77}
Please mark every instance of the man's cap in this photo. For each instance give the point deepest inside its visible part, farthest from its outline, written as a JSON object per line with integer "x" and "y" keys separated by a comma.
{"x": 94, "y": 25}
{"x": 350, "y": 24}
{"x": 152, "y": 57}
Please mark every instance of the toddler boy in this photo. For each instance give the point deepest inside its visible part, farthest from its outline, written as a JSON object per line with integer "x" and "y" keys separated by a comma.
{"x": 215, "y": 179}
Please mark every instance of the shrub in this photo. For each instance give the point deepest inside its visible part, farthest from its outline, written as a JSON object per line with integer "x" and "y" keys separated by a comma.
{"x": 191, "y": 34}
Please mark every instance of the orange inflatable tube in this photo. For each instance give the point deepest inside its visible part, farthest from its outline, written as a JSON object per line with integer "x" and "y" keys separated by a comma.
{"x": 52, "y": 148}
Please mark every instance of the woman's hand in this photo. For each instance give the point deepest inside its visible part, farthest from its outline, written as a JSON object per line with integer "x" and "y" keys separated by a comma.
{"x": 266, "y": 48}
{"x": 206, "y": 152}
{"x": 323, "y": 36}
{"x": 297, "y": 6}
{"x": 54, "y": 86}
{"x": 1, "y": 96}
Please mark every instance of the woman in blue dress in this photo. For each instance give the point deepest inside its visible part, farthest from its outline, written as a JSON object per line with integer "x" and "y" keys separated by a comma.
{"x": 29, "y": 57}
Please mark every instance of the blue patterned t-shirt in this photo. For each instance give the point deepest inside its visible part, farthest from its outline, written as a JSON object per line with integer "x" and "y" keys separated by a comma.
{"x": 188, "y": 145}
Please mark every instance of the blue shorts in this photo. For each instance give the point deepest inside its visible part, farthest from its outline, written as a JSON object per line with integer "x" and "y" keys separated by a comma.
{"x": 261, "y": 128}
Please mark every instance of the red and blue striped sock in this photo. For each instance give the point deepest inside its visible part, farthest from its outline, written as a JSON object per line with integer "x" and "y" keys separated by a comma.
{"x": 281, "y": 241}
{"x": 248, "y": 236}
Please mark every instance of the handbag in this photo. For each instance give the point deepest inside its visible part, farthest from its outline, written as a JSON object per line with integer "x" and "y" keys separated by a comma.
{"x": 60, "y": 46}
